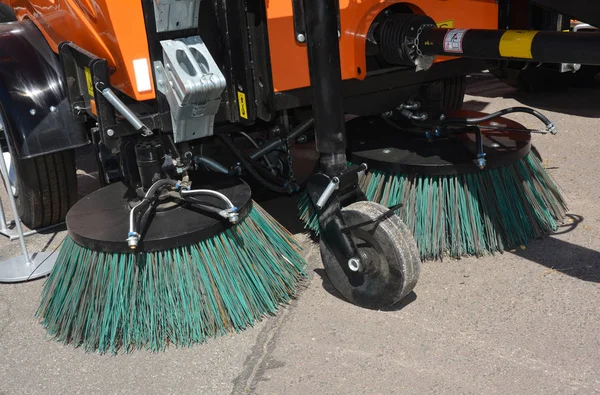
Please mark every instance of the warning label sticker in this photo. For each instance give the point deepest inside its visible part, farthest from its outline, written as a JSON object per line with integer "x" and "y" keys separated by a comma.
{"x": 242, "y": 104}
{"x": 89, "y": 82}
{"x": 449, "y": 24}
{"x": 453, "y": 40}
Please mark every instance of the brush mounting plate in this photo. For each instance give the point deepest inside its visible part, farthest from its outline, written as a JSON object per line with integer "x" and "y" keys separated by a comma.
{"x": 385, "y": 147}
{"x": 100, "y": 221}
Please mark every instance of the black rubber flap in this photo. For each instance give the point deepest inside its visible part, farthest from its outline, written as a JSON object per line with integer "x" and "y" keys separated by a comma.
{"x": 100, "y": 221}
{"x": 386, "y": 147}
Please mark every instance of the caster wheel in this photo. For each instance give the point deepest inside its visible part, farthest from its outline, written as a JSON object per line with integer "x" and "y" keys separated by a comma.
{"x": 389, "y": 259}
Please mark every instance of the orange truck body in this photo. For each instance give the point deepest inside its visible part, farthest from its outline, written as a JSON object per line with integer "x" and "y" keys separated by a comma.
{"x": 115, "y": 30}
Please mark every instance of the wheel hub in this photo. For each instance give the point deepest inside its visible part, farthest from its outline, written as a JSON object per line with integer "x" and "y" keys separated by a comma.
{"x": 389, "y": 265}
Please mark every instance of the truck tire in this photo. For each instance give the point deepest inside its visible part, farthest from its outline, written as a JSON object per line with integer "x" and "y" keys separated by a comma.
{"x": 454, "y": 92}
{"x": 44, "y": 187}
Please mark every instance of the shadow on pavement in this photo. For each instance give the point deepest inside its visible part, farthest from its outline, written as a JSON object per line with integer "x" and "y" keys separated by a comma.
{"x": 327, "y": 286}
{"x": 564, "y": 257}
{"x": 574, "y": 101}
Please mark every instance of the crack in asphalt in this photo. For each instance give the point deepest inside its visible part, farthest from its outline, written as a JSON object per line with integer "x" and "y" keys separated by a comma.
{"x": 265, "y": 344}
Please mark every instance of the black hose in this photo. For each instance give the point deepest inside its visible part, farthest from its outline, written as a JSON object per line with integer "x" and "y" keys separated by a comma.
{"x": 297, "y": 131}
{"x": 473, "y": 121}
{"x": 146, "y": 202}
{"x": 249, "y": 167}
{"x": 210, "y": 163}
{"x": 156, "y": 187}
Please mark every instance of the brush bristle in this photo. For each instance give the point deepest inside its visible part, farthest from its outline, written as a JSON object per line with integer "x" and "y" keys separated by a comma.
{"x": 110, "y": 302}
{"x": 469, "y": 214}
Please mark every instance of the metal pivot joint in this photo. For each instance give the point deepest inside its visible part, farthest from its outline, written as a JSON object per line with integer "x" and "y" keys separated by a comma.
{"x": 329, "y": 194}
{"x": 122, "y": 108}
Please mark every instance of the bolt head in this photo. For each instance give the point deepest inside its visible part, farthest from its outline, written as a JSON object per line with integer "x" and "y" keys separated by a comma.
{"x": 354, "y": 264}
{"x": 301, "y": 38}
{"x": 53, "y": 109}
{"x": 110, "y": 132}
{"x": 32, "y": 111}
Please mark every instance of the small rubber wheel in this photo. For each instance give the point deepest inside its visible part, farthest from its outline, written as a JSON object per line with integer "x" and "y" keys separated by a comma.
{"x": 389, "y": 259}
{"x": 44, "y": 187}
{"x": 454, "y": 92}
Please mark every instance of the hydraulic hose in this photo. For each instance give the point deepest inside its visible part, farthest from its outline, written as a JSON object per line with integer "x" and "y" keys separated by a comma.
{"x": 250, "y": 168}
{"x": 133, "y": 236}
{"x": 210, "y": 163}
{"x": 474, "y": 121}
{"x": 272, "y": 146}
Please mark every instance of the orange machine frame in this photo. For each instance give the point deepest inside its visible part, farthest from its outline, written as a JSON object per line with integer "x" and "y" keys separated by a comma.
{"x": 115, "y": 30}
{"x": 111, "y": 29}
{"x": 289, "y": 62}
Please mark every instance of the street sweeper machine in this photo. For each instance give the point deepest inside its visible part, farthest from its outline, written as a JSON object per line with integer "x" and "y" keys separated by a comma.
{"x": 195, "y": 110}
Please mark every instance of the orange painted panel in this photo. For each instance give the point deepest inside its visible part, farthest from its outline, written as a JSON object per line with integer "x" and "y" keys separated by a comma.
{"x": 110, "y": 29}
{"x": 288, "y": 57}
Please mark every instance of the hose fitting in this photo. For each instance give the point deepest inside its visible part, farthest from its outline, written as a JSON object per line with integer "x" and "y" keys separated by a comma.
{"x": 551, "y": 127}
{"x": 133, "y": 240}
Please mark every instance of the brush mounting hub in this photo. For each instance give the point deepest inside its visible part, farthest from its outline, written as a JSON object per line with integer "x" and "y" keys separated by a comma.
{"x": 100, "y": 221}
{"x": 386, "y": 147}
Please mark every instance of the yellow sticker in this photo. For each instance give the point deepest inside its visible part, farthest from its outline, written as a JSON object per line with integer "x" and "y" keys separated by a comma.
{"x": 243, "y": 106}
{"x": 517, "y": 44}
{"x": 88, "y": 80}
{"x": 446, "y": 24}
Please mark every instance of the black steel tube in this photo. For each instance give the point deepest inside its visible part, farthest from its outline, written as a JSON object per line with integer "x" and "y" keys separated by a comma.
{"x": 247, "y": 164}
{"x": 474, "y": 121}
{"x": 210, "y": 163}
{"x": 326, "y": 80}
{"x": 535, "y": 46}
{"x": 276, "y": 144}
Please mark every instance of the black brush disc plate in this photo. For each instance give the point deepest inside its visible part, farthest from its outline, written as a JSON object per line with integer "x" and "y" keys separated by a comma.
{"x": 384, "y": 147}
{"x": 100, "y": 221}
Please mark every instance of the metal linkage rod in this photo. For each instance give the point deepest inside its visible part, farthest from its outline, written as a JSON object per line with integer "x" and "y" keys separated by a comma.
{"x": 326, "y": 82}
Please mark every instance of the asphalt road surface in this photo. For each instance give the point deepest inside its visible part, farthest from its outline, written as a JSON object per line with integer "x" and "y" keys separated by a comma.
{"x": 523, "y": 322}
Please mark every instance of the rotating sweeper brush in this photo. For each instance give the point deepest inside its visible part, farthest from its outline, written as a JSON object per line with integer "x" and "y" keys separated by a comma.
{"x": 464, "y": 183}
{"x": 167, "y": 264}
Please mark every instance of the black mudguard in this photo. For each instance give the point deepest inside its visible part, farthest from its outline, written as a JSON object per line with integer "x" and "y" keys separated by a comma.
{"x": 33, "y": 94}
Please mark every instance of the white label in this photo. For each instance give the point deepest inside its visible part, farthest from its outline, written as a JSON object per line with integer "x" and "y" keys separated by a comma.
{"x": 142, "y": 75}
{"x": 453, "y": 41}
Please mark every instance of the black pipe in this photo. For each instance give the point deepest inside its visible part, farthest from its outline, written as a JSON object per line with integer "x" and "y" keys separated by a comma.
{"x": 320, "y": 17}
{"x": 276, "y": 144}
{"x": 535, "y": 46}
{"x": 210, "y": 163}
{"x": 246, "y": 162}
{"x": 550, "y": 127}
